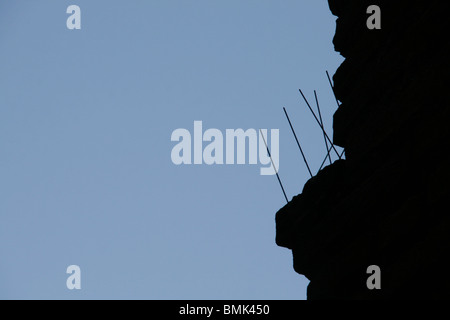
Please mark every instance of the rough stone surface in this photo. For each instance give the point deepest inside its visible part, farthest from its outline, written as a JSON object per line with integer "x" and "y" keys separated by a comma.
{"x": 386, "y": 204}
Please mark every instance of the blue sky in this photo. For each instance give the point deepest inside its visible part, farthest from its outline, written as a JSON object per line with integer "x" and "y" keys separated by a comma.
{"x": 86, "y": 118}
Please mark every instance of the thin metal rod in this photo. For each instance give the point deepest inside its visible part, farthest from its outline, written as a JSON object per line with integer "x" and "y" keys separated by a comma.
{"x": 324, "y": 160}
{"x": 274, "y": 168}
{"x": 321, "y": 122}
{"x": 298, "y": 143}
{"x": 324, "y": 132}
{"x": 332, "y": 88}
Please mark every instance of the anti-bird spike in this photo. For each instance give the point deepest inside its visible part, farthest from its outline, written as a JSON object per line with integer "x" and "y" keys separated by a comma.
{"x": 274, "y": 167}
{"x": 332, "y": 89}
{"x": 298, "y": 143}
{"x": 324, "y": 132}
{"x": 321, "y": 122}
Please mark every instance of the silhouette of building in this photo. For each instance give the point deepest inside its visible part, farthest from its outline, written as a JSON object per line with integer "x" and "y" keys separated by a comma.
{"x": 386, "y": 204}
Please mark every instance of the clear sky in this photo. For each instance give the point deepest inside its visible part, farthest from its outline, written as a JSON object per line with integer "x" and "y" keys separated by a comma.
{"x": 86, "y": 118}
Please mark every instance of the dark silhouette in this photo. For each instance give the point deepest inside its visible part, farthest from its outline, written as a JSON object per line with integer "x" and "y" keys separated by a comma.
{"x": 387, "y": 203}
